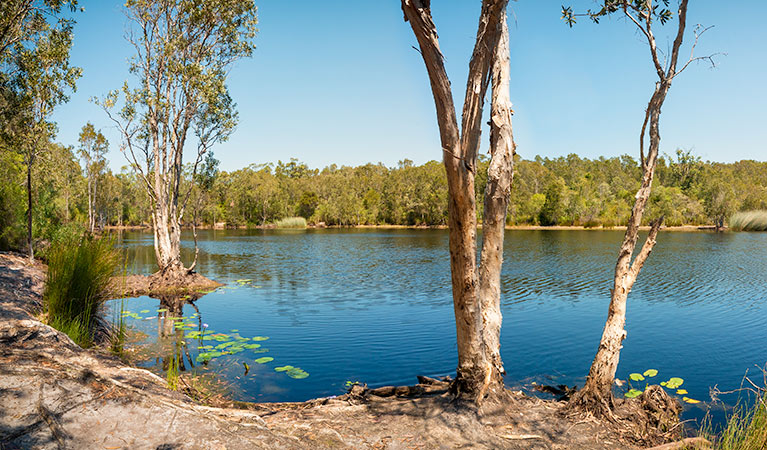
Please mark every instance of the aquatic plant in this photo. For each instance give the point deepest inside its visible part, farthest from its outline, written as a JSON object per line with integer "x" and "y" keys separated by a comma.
{"x": 79, "y": 273}
{"x": 117, "y": 333}
{"x": 749, "y": 221}
{"x": 291, "y": 222}
{"x": 672, "y": 384}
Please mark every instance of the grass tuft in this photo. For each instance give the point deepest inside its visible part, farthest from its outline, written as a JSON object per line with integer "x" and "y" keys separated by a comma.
{"x": 291, "y": 222}
{"x": 746, "y": 428}
{"x": 749, "y": 221}
{"x": 79, "y": 272}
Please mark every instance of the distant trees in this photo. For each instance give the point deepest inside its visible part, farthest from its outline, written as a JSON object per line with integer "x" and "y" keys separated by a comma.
{"x": 93, "y": 148}
{"x": 184, "y": 51}
{"x": 476, "y": 290}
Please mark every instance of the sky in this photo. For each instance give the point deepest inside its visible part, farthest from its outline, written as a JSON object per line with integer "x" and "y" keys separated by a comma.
{"x": 337, "y": 83}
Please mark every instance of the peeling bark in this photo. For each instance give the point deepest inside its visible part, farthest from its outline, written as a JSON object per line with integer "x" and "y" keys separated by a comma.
{"x": 476, "y": 371}
{"x": 500, "y": 174}
{"x": 597, "y": 395}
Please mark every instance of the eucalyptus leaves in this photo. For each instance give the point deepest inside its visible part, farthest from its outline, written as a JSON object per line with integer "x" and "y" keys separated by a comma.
{"x": 672, "y": 384}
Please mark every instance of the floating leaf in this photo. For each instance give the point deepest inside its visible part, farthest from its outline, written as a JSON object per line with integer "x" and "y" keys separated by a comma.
{"x": 690, "y": 400}
{"x": 636, "y": 377}
{"x": 650, "y": 373}
{"x": 162, "y": 310}
{"x": 144, "y": 311}
{"x": 283, "y": 368}
{"x": 633, "y": 393}
{"x": 264, "y": 359}
{"x": 297, "y": 373}
{"x": 193, "y": 335}
{"x": 224, "y": 345}
{"x": 259, "y": 338}
{"x": 234, "y": 331}
{"x": 663, "y": 383}
{"x": 261, "y": 350}
{"x": 681, "y": 391}
{"x": 250, "y": 346}
{"x": 674, "y": 382}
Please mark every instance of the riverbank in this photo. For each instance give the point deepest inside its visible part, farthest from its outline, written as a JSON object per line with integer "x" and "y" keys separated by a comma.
{"x": 55, "y": 394}
{"x": 685, "y": 228}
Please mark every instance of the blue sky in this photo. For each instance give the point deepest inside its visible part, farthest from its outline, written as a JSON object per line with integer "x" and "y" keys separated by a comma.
{"x": 329, "y": 83}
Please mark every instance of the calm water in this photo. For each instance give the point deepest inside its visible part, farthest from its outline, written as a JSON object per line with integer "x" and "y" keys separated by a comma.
{"x": 375, "y": 306}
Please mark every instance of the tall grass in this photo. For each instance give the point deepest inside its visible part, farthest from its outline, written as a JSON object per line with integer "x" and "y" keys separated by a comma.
{"x": 79, "y": 272}
{"x": 746, "y": 428}
{"x": 291, "y": 222}
{"x": 749, "y": 221}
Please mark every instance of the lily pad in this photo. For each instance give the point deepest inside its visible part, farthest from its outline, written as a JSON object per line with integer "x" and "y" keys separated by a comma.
{"x": 259, "y": 338}
{"x": 297, "y": 373}
{"x": 283, "y": 368}
{"x": 250, "y": 346}
{"x": 224, "y": 345}
{"x": 144, "y": 311}
{"x": 633, "y": 393}
{"x": 674, "y": 382}
{"x": 636, "y": 377}
{"x": 261, "y": 350}
{"x": 681, "y": 391}
{"x": 690, "y": 400}
{"x": 264, "y": 359}
{"x": 193, "y": 335}
{"x": 650, "y": 373}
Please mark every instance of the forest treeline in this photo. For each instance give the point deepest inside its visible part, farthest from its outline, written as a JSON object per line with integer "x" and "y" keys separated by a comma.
{"x": 547, "y": 191}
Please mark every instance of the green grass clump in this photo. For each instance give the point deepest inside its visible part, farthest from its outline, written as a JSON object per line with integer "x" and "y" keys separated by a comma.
{"x": 746, "y": 428}
{"x": 79, "y": 272}
{"x": 749, "y": 221}
{"x": 291, "y": 222}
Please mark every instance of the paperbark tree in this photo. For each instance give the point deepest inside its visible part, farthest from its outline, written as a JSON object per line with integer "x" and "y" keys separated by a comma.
{"x": 184, "y": 50}
{"x": 476, "y": 290}
{"x": 93, "y": 147}
{"x": 597, "y": 395}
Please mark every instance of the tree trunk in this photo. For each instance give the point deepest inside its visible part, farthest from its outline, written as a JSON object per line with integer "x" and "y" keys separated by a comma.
{"x": 30, "y": 247}
{"x": 596, "y": 395}
{"x": 90, "y": 205}
{"x": 474, "y": 372}
{"x": 499, "y": 178}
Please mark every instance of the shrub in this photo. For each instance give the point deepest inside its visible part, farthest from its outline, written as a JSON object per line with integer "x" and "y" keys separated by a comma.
{"x": 291, "y": 222}
{"x": 79, "y": 272}
{"x": 749, "y": 221}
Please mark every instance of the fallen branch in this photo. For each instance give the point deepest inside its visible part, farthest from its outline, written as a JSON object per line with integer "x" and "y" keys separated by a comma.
{"x": 696, "y": 442}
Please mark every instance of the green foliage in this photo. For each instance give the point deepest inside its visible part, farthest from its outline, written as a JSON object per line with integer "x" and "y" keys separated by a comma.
{"x": 749, "y": 221}
{"x": 79, "y": 272}
{"x": 291, "y": 222}
{"x": 746, "y": 428}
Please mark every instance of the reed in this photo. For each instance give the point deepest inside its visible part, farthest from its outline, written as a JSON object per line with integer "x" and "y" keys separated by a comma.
{"x": 291, "y": 222}
{"x": 746, "y": 428}
{"x": 749, "y": 221}
{"x": 79, "y": 272}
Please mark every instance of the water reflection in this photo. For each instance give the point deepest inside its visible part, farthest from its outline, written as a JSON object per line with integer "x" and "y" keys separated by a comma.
{"x": 376, "y": 306}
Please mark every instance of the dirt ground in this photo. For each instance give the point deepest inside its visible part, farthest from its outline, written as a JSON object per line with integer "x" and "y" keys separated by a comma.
{"x": 54, "y": 394}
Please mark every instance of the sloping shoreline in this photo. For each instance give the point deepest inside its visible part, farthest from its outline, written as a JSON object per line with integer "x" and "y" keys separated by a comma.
{"x": 57, "y": 395}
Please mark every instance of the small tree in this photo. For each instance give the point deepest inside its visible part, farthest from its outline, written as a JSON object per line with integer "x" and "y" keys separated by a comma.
{"x": 596, "y": 396}
{"x": 184, "y": 51}
{"x": 93, "y": 147}
{"x": 35, "y": 52}
{"x": 476, "y": 288}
